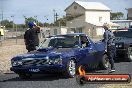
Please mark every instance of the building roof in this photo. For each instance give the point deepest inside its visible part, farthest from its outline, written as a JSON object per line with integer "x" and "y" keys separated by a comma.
{"x": 91, "y": 5}
{"x": 121, "y": 20}
{"x": 72, "y": 34}
{"x": 128, "y": 8}
{"x": 110, "y": 23}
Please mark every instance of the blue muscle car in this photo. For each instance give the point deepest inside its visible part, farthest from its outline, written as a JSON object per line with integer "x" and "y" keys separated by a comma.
{"x": 63, "y": 54}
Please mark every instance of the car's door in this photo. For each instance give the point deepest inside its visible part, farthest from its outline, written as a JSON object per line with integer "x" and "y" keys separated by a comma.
{"x": 95, "y": 54}
{"x": 87, "y": 52}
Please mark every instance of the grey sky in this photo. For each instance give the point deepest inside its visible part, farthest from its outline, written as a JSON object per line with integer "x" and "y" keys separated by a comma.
{"x": 42, "y": 8}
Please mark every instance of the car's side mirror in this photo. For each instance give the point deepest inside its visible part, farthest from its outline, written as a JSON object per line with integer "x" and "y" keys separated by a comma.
{"x": 86, "y": 44}
{"x": 37, "y": 47}
{"x": 102, "y": 40}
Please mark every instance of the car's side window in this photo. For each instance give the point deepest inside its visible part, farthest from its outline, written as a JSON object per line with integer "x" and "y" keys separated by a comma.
{"x": 84, "y": 41}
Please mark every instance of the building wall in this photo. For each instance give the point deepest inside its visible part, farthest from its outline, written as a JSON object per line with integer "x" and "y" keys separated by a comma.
{"x": 90, "y": 30}
{"x": 58, "y": 30}
{"x": 130, "y": 14}
{"x": 63, "y": 30}
{"x": 75, "y": 9}
{"x": 94, "y": 16}
{"x": 77, "y": 22}
{"x": 100, "y": 31}
{"x": 88, "y": 21}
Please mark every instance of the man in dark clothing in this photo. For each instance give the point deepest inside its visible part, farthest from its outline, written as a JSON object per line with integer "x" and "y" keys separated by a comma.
{"x": 31, "y": 37}
{"x": 109, "y": 40}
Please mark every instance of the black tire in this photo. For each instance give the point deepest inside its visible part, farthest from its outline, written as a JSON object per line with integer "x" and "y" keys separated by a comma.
{"x": 129, "y": 54}
{"x": 104, "y": 64}
{"x": 71, "y": 69}
{"x": 24, "y": 76}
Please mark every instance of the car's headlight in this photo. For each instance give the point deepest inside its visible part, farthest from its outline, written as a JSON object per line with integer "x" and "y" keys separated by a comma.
{"x": 120, "y": 45}
{"x": 16, "y": 63}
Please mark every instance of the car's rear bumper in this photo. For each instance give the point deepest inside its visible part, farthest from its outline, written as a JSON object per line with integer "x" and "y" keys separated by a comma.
{"x": 40, "y": 69}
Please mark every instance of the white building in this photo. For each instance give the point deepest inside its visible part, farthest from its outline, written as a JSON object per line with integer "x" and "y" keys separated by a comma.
{"x": 58, "y": 30}
{"x": 129, "y": 13}
{"x": 87, "y": 17}
{"x": 123, "y": 23}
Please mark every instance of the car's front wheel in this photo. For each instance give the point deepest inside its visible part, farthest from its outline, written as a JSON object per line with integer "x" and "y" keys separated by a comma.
{"x": 129, "y": 54}
{"x": 71, "y": 68}
{"x": 24, "y": 76}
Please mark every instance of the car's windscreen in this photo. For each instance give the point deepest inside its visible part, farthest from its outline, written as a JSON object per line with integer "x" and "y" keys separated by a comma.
{"x": 61, "y": 42}
{"x": 127, "y": 34}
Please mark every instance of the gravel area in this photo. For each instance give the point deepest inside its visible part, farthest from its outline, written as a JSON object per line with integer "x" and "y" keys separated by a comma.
{"x": 8, "y": 50}
{"x": 127, "y": 85}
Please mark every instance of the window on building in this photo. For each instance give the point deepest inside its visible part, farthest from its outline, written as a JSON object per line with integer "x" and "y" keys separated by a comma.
{"x": 80, "y": 30}
{"x": 75, "y": 7}
{"x": 100, "y": 19}
{"x": 73, "y": 30}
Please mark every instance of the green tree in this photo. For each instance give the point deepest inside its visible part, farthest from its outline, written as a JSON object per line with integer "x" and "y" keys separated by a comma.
{"x": 31, "y": 19}
{"x": 7, "y": 23}
{"x": 61, "y": 22}
{"x": 46, "y": 24}
{"x": 116, "y": 16}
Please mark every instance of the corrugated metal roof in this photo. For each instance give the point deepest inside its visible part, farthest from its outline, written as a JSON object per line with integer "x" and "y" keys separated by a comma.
{"x": 92, "y": 5}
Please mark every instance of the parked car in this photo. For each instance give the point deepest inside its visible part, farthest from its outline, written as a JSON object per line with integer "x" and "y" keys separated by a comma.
{"x": 63, "y": 54}
{"x": 123, "y": 45}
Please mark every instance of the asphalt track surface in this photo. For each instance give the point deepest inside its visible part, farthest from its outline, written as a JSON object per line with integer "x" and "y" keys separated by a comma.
{"x": 56, "y": 81}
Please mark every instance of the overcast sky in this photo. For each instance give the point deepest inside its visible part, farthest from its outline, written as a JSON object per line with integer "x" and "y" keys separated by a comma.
{"x": 42, "y": 8}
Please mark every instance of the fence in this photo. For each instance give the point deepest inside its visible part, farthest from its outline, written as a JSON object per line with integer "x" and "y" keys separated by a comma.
{"x": 12, "y": 36}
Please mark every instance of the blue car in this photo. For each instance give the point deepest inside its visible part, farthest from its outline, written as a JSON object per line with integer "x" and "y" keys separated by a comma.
{"x": 61, "y": 54}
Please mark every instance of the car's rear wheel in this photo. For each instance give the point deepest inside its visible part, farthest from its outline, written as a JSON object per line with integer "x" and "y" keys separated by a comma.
{"x": 129, "y": 54}
{"x": 104, "y": 64}
{"x": 71, "y": 68}
{"x": 24, "y": 76}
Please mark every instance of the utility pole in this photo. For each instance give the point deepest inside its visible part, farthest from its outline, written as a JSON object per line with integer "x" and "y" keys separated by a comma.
{"x": 16, "y": 34}
{"x": 14, "y": 29}
{"x": 25, "y": 20}
{"x": 1, "y": 17}
{"x": 54, "y": 15}
{"x": 36, "y": 20}
{"x": 45, "y": 19}
{"x": 56, "y": 18}
{"x": 12, "y": 21}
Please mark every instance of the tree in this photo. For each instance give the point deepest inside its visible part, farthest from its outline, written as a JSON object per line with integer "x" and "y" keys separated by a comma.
{"x": 61, "y": 22}
{"x": 31, "y": 19}
{"x": 116, "y": 16}
{"x": 46, "y": 24}
{"x": 7, "y": 23}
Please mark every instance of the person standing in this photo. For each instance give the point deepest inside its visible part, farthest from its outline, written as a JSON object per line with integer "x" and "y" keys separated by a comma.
{"x": 1, "y": 34}
{"x": 29, "y": 37}
{"x": 109, "y": 40}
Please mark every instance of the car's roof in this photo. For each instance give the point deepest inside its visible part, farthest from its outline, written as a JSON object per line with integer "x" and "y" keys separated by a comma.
{"x": 71, "y": 34}
{"x": 64, "y": 35}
